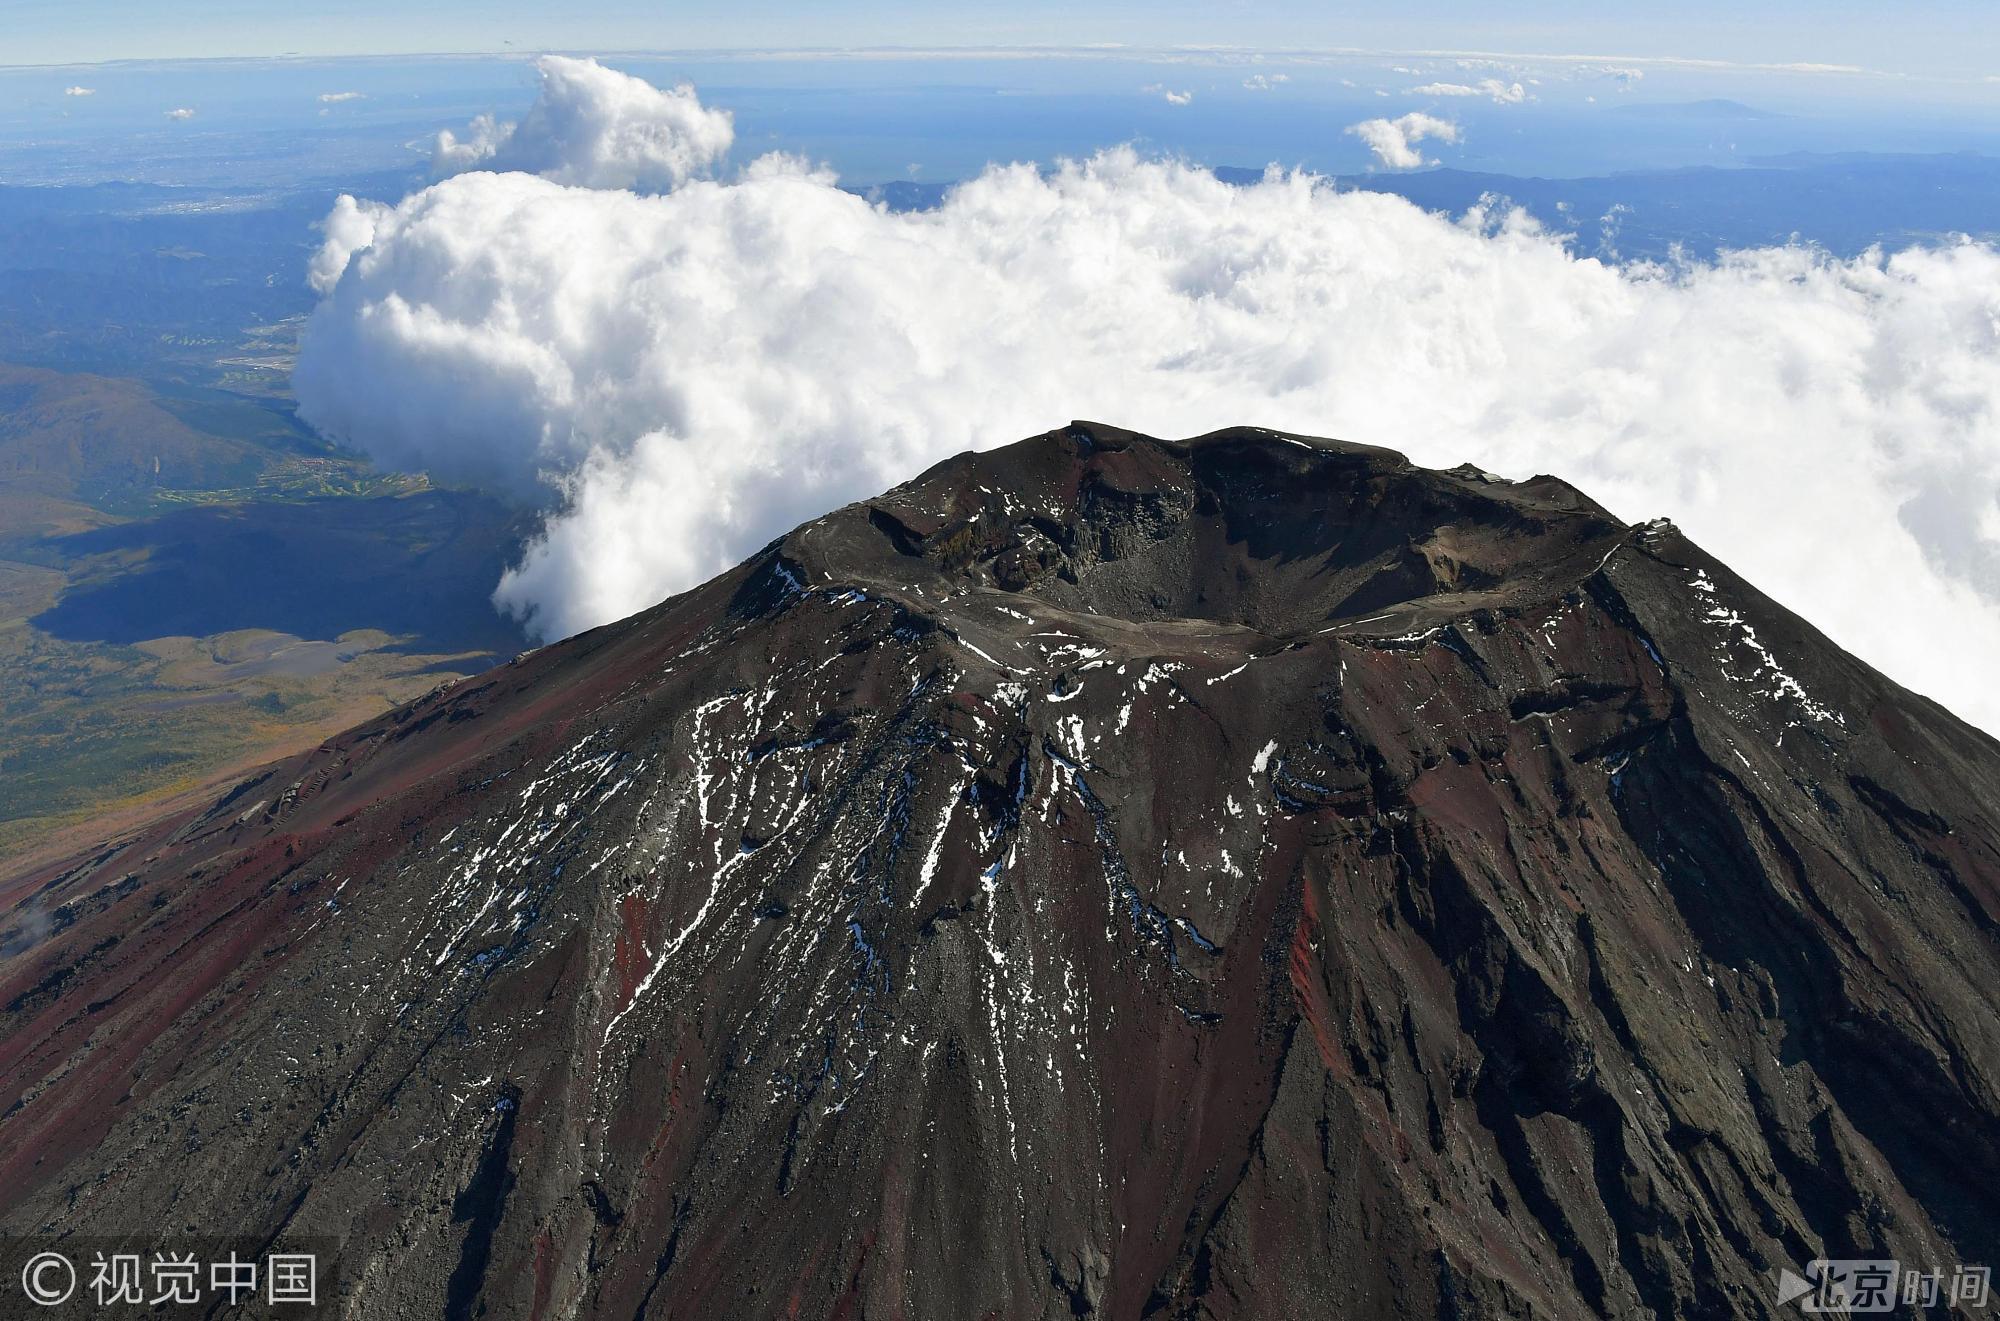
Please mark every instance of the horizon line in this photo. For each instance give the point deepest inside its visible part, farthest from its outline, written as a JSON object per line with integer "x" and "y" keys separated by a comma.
{"x": 1221, "y": 55}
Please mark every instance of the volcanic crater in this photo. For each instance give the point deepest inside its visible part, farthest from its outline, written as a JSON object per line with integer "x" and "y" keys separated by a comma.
{"x": 1249, "y": 876}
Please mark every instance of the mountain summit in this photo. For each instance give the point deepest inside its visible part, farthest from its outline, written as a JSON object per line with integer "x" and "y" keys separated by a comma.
{"x": 1243, "y": 877}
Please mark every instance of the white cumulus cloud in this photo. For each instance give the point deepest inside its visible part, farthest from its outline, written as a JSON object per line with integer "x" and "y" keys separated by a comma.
{"x": 335, "y": 98}
{"x": 1394, "y": 141}
{"x": 1260, "y": 82}
{"x": 79, "y": 91}
{"x": 348, "y": 228}
{"x": 182, "y": 112}
{"x": 1500, "y": 93}
{"x": 596, "y": 128}
{"x": 1624, "y": 75}
{"x": 1168, "y": 94}
{"x": 680, "y": 377}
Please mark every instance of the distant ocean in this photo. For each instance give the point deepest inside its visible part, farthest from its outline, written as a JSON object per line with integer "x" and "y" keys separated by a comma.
{"x": 264, "y": 123}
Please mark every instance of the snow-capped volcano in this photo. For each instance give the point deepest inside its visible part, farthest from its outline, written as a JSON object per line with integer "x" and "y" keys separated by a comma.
{"x": 1249, "y": 876}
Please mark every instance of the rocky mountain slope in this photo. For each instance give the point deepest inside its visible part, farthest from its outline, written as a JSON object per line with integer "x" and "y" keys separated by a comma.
{"x": 1242, "y": 877}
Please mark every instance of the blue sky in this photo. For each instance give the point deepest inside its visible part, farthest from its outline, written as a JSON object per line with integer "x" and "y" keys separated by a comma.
{"x": 1944, "y": 39}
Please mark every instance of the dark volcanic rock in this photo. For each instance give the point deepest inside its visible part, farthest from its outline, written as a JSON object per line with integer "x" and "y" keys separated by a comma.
{"x": 1103, "y": 877}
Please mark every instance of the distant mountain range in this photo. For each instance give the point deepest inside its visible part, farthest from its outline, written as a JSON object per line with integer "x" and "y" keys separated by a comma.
{"x": 1713, "y": 108}
{"x": 1844, "y": 203}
